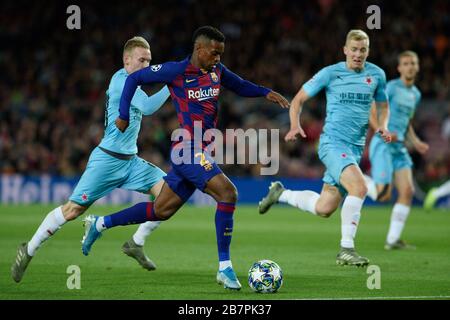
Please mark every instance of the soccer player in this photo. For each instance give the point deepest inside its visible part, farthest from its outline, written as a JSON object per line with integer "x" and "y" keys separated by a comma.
{"x": 194, "y": 85}
{"x": 350, "y": 88}
{"x": 391, "y": 162}
{"x": 112, "y": 164}
{"x": 434, "y": 194}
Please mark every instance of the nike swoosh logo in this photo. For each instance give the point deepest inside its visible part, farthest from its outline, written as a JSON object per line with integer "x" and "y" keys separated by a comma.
{"x": 190, "y": 80}
{"x": 339, "y": 77}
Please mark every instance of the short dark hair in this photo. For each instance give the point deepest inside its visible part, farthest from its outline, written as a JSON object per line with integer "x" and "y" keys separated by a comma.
{"x": 210, "y": 33}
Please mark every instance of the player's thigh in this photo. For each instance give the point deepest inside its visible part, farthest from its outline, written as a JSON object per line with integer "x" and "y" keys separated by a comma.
{"x": 337, "y": 158}
{"x": 167, "y": 202}
{"x": 201, "y": 171}
{"x": 103, "y": 174}
{"x": 381, "y": 161}
{"x": 352, "y": 180}
{"x": 142, "y": 176}
{"x": 329, "y": 200}
{"x": 221, "y": 189}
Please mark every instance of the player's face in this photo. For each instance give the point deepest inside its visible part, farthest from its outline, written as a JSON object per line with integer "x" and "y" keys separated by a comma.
{"x": 356, "y": 52}
{"x": 137, "y": 59}
{"x": 408, "y": 67}
{"x": 209, "y": 54}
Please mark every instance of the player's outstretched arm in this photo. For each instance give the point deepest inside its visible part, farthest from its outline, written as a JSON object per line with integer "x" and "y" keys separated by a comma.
{"x": 164, "y": 73}
{"x": 418, "y": 144}
{"x": 294, "y": 116}
{"x": 153, "y": 103}
{"x": 274, "y": 96}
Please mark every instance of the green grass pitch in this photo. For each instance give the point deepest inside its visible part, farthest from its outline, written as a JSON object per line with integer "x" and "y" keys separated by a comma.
{"x": 184, "y": 249}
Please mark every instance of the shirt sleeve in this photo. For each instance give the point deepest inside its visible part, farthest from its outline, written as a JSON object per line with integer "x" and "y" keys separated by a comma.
{"x": 240, "y": 86}
{"x": 319, "y": 81}
{"x": 380, "y": 92}
{"x": 161, "y": 73}
{"x": 150, "y": 104}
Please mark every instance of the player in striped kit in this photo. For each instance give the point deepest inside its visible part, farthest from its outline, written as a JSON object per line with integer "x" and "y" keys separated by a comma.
{"x": 194, "y": 85}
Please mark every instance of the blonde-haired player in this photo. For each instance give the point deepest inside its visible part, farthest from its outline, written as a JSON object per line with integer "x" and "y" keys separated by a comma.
{"x": 112, "y": 164}
{"x": 350, "y": 87}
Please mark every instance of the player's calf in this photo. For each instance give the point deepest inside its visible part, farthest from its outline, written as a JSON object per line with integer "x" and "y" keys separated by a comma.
{"x": 72, "y": 210}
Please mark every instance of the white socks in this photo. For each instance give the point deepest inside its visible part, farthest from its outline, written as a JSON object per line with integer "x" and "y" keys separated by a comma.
{"x": 52, "y": 223}
{"x": 372, "y": 191}
{"x": 442, "y": 190}
{"x": 399, "y": 215}
{"x": 144, "y": 231}
{"x": 224, "y": 264}
{"x": 350, "y": 215}
{"x": 100, "y": 224}
{"x": 304, "y": 200}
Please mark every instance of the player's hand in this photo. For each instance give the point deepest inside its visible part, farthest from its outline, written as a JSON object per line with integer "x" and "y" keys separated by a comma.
{"x": 385, "y": 135}
{"x": 421, "y": 147}
{"x": 293, "y": 133}
{"x": 121, "y": 124}
{"x": 277, "y": 98}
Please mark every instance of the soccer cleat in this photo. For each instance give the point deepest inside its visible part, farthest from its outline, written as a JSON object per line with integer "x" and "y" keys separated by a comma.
{"x": 348, "y": 256}
{"x": 430, "y": 199}
{"x": 90, "y": 233}
{"x": 228, "y": 278}
{"x": 20, "y": 265}
{"x": 131, "y": 249}
{"x": 399, "y": 245}
{"x": 275, "y": 191}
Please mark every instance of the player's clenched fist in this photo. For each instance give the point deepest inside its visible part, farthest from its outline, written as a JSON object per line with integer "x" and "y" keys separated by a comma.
{"x": 121, "y": 124}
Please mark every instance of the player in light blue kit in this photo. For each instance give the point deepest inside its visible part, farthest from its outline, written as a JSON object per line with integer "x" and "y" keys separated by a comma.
{"x": 391, "y": 162}
{"x": 112, "y": 164}
{"x": 350, "y": 88}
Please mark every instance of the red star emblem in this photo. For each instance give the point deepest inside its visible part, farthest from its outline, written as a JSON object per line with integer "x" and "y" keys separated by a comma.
{"x": 84, "y": 197}
{"x": 343, "y": 155}
{"x": 368, "y": 80}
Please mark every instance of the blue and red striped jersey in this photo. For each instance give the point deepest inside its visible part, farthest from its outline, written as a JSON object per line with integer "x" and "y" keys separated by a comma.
{"x": 194, "y": 92}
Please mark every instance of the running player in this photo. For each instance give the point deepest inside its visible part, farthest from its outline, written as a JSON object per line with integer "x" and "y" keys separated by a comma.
{"x": 194, "y": 85}
{"x": 112, "y": 164}
{"x": 391, "y": 162}
{"x": 350, "y": 88}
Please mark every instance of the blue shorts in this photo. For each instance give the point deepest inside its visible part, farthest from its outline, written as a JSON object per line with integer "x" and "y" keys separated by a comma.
{"x": 105, "y": 173}
{"x": 336, "y": 155}
{"x": 386, "y": 158}
{"x": 187, "y": 176}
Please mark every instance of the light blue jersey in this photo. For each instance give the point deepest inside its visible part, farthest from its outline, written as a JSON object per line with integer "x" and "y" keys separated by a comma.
{"x": 349, "y": 96}
{"x": 114, "y": 163}
{"x": 141, "y": 104}
{"x": 387, "y": 158}
{"x": 403, "y": 101}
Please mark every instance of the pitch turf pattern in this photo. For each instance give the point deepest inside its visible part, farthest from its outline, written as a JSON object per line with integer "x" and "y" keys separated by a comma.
{"x": 184, "y": 250}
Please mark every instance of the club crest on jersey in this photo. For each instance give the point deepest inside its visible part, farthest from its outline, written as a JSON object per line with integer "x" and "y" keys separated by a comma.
{"x": 214, "y": 77}
{"x": 156, "y": 67}
{"x": 369, "y": 80}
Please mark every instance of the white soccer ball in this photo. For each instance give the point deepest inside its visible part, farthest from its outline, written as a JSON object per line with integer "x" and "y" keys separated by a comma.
{"x": 265, "y": 276}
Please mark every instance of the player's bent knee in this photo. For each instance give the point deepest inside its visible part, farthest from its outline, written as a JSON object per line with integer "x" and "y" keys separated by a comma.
{"x": 71, "y": 210}
{"x": 230, "y": 195}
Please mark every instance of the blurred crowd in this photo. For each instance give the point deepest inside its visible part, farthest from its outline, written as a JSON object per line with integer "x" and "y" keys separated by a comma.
{"x": 53, "y": 80}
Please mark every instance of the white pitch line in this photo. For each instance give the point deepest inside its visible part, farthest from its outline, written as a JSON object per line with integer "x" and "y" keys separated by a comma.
{"x": 380, "y": 298}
